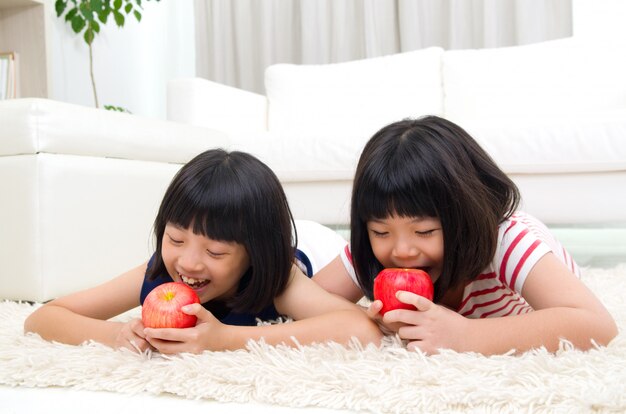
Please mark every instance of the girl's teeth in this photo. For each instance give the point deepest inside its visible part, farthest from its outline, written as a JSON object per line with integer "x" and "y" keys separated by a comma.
{"x": 193, "y": 282}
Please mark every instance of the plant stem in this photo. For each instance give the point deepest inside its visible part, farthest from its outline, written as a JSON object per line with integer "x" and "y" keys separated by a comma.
{"x": 93, "y": 81}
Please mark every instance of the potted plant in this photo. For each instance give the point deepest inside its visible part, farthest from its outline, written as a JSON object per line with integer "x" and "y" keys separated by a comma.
{"x": 85, "y": 16}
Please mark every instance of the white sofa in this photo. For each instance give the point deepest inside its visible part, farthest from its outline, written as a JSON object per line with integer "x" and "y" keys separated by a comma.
{"x": 80, "y": 186}
{"x": 552, "y": 114}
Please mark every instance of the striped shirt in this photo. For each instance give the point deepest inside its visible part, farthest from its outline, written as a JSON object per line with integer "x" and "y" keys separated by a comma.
{"x": 522, "y": 241}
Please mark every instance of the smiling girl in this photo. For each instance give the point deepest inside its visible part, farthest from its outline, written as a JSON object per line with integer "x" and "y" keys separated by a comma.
{"x": 427, "y": 196}
{"x": 225, "y": 229}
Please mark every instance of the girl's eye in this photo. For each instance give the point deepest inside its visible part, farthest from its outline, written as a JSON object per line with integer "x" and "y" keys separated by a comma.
{"x": 214, "y": 254}
{"x": 174, "y": 241}
{"x": 379, "y": 233}
{"x": 425, "y": 233}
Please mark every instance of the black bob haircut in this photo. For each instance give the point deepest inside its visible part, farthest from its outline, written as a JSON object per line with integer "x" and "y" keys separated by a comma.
{"x": 234, "y": 197}
{"x": 431, "y": 167}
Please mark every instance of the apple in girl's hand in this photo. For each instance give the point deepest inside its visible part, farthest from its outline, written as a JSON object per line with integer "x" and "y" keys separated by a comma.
{"x": 391, "y": 280}
{"x": 161, "y": 308}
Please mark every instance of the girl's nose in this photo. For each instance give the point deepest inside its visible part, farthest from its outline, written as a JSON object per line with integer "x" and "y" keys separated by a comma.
{"x": 404, "y": 250}
{"x": 190, "y": 262}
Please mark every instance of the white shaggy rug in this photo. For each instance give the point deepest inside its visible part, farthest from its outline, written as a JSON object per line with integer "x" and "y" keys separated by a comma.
{"x": 389, "y": 379}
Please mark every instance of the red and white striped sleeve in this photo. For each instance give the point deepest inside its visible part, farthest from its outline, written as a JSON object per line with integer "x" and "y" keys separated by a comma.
{"x": 522, "y": 241}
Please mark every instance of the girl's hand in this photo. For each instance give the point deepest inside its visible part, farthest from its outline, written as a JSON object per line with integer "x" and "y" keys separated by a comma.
{"x": 131, "y": 336}
{"x": 431, "y": 327}
{"x": 373, "y": 311}
{"x": 206, "y": 335}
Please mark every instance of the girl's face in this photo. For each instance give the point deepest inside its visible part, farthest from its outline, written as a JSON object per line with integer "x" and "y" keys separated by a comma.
{"x": 212, "y": 268}
{"x": 411, "y": 242}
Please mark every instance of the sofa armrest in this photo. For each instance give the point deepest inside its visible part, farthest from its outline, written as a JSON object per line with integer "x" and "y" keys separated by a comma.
{"x": 209, "y": 104}
{"x": 32, "y": 126}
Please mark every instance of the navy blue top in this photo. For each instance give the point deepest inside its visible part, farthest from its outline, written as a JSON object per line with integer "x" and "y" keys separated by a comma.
{"x": 226, "y": 315}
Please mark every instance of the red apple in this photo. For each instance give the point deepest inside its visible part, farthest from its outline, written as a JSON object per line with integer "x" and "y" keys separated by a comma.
{"x": 391, "y": 280}
{"x": 161, "y": 308}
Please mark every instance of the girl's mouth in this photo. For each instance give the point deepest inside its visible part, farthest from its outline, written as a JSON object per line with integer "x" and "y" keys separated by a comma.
{"x": 195, "y": 284}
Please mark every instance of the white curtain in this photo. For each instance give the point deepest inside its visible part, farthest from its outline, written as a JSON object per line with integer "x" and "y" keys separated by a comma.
{"x": 237, "y": 39}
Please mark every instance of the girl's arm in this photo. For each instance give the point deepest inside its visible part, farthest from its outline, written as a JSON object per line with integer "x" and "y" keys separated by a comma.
{"x": 334, "y": 278}
{"x": 564, "y": 308}
{"x": 82, "y": 316}
{"x": 318, "y": 316}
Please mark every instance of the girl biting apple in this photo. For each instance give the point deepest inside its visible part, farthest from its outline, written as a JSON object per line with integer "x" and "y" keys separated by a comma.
{"x": 427, "y": 196}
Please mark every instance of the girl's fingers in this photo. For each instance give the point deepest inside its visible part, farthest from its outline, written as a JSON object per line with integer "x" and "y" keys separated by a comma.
{"x": 138, "y": 344}
{"x": 193, "y": 309}
{"x": 374, "y": 309}
{"x": 199, "y": 311}
{"x": 420, "y": 302}
{"x": 137, "y": 327}
{"x": 165, "y": 334}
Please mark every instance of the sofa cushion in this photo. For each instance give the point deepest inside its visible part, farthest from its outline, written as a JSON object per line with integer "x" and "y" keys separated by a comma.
{"x": 309, "y": 158}
{"x": 560, "y": 144}
{"x": 356, "y": 97}
{"x": 560, "y": 77}
{"x": 316, "y": 171}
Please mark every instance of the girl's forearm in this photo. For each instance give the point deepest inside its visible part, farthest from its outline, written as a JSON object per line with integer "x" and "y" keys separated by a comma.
{"x": 55, "y": 323}
{"x": 541, "y": 328}
{"x": 339, "y": 326}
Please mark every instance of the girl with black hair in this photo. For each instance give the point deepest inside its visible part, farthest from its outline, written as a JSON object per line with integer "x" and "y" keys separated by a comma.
{"x": 427, "y": 196}
{"x": 224, "y": 228}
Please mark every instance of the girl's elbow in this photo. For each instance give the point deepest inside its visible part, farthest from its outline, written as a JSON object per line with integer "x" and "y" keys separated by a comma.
{"x": 375, "y": 335}
{"x": 608, "y": 333}
{"x": 30, "y": 323}
{"x": 371, "y": 333}
{"x": 357, "y": 325}
{"x": 36, "y": 320}
{"x": 605, "y": 331}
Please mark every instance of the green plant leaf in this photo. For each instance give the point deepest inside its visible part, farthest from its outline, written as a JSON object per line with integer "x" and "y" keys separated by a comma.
{"x": 117, "y": 4}
{"x": 96, "y": 5}
{"x": 137, "y": 15}
{"x": 85, "y": 10}
{"x": 128, "y": 8}
{"x": 95, "y": 26}
{"x": 116, "y": 108}
{"x": 59, "y": 6}
{"x": 119, "y": 18}
{"x": 89, "y": 35}
{"x": 78, "y": 23}
{"x": 70, "y": 14}
{"x": 103, "y": 15}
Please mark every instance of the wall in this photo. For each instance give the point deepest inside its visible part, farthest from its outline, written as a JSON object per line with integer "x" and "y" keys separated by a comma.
{"x": 599, "y": 19}
{"x": 131, "y": 65}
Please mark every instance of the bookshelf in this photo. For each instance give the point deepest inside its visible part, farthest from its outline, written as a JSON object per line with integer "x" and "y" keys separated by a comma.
{"x": 23, "y": 31}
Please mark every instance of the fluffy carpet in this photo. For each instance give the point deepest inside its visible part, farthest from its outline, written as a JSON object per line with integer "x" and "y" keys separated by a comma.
{"x": 386, "y": 379}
